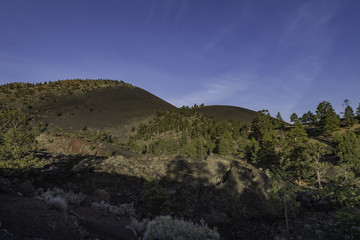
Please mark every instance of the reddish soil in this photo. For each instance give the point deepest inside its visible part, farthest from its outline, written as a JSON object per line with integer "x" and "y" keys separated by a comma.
{"x": 72, "y": 145}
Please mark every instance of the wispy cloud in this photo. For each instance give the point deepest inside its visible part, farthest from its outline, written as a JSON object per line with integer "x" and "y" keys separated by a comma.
{"x": 304, "y": 48}
{"x": 280, "y": 81}
{"x": 216, "y": 91}
{"x": 221, "y": 36}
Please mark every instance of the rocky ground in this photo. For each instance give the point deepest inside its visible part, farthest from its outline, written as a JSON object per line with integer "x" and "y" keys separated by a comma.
{"x": 29, "y": 218}
{"x": 230, "y": 195}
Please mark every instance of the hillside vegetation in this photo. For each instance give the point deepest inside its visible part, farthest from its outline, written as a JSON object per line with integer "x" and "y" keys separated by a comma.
{"x": 189, "y": 133}
{"x": 22, "y": 95}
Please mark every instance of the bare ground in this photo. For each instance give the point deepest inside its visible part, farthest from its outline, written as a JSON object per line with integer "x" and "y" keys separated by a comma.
{"x": 29, "y": 218}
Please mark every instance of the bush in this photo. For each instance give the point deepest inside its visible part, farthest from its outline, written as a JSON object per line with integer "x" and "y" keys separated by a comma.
{"x": 57, "y": 203}
{"x": 165, "y": 227}
{"x": 75, "y": 199}
{"x": 100, "y": 195}
{"x": 8, "y": 167}
{"x": 17, "y": 138}
{"x": 124, "y": 210}
{"x": 138, "y": 227}
{"x": 70, "y": 197}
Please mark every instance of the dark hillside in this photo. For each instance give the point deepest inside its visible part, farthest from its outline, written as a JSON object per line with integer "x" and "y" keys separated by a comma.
{"x": 111, "y": 108}
{"x": 228, "y": 113}
{"x": 79, "y": 104}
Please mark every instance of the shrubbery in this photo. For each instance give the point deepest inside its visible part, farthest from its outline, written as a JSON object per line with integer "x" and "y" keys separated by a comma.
{"x": 57, "y": 203}
{"x": 69, "y": 197}
{"x": 17, "y": 141}
{"x": 124, "y": 210}
{"x": 16, "y": 136}
{"x": 165, "y": 227}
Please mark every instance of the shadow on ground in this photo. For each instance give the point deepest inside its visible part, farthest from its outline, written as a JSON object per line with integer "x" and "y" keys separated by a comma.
{"x": 229, "y": 195}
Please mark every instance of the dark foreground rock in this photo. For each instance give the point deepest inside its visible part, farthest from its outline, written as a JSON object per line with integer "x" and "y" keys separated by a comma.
{"x": 29, "y": 218}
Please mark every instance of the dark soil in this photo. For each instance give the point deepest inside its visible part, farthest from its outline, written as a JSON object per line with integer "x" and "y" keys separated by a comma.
{"x": 111, "y": 108}
{"x": 29, "y": 218}
{"x": 228, "y": 113}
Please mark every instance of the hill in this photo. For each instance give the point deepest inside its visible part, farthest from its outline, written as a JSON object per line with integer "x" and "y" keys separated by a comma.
{"x": 221, "y": 112}
{"x": 79, "y": 104}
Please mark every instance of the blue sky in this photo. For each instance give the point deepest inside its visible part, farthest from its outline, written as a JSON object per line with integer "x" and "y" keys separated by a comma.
{"x": 284, "y": 56}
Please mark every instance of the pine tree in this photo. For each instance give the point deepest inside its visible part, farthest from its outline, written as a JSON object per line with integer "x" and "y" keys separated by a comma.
{"x": 307, "y": 117}
{"x": 311, "y": 117}
{"x": 295, "y": 160}
{"x": 328, "y": 120}
{"x": 252, "y": 150}
{"x": 280, "y": 123}
{"x": 348, "y": 149}
{"x": 297, "y": 134}
{"x": 226, "y": 144}
{"x": 267, "y": 153}
{"x": 283, "y": 195}
{"x": 304, "y": 118}
{"x": 294, "y": 117}
{"x": 349, "y": 116}
{"x": 358, "y": 111}
{"x": 262, "y": 124}
{"x": 264, "y": 133}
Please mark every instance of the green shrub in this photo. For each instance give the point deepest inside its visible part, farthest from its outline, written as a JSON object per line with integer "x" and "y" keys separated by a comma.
{"x": 28, "y": 162}
{"x": 16, "y": 136}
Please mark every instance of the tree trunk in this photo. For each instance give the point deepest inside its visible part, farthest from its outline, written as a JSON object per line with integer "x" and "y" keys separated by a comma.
{"x": 286, "y": 215}
{"x": 317, "y": 162}
{"x": 318, "y": 177}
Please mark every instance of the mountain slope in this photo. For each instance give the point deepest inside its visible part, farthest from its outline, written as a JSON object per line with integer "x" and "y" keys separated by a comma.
{"x": 101, "y": 109}
{"x": 78, "y": 104}
{"x": 221, "y": 112}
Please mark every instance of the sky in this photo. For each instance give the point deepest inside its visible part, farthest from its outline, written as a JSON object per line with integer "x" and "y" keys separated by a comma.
{"x": 284, "y": 56}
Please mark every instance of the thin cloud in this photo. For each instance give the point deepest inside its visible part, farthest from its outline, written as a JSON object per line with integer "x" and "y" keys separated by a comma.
{"x": 221, "y": 37}
{"x": 214, "y": 92}
{"x": 309, "y": 37}
{"x": 302, "y": 50}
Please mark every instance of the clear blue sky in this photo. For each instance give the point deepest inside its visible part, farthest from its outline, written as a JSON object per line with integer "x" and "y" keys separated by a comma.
{"x": 281, "y": 55}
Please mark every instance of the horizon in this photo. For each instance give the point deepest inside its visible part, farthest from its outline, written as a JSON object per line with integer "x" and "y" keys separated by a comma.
{"x": 282, "y": 56}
